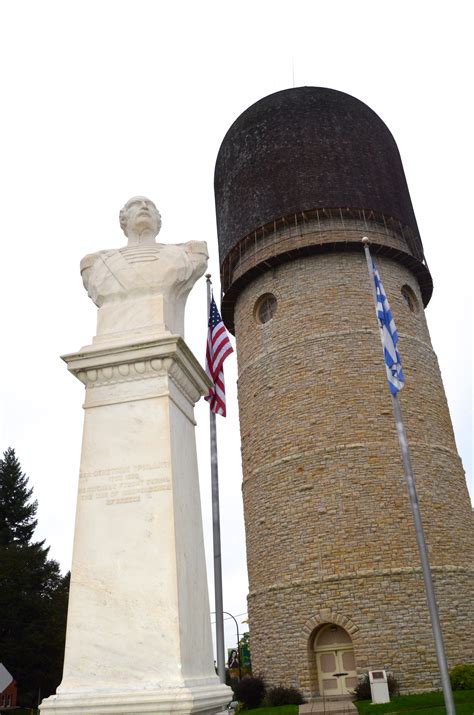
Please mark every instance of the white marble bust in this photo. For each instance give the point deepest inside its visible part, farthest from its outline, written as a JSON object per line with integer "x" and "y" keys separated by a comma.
{"x": 141, "y": 289}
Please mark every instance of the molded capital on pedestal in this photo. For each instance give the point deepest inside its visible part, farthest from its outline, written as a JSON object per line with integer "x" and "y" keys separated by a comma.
{"x": 139, "y": 371}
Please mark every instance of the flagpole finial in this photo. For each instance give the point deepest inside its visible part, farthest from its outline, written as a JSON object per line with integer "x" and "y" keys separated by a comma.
{"x": 365, "y": 240}
{"x": 208, "y": 277}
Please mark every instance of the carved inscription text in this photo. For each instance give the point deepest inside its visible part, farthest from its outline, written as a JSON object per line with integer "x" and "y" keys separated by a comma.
{"x": 121, "y": 485}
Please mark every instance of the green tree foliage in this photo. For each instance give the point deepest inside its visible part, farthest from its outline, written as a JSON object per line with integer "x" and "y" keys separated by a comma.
{"x": 33, "y": 593}
{"x": 244, "y": 647}
{"x": 17, "y": 516}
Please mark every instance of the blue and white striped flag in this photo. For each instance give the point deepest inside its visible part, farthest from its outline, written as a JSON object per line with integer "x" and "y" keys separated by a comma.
{"x": 393, "y": 363}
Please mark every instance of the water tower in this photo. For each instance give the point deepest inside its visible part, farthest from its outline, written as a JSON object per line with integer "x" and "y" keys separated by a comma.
{"x": 335, "y": 581}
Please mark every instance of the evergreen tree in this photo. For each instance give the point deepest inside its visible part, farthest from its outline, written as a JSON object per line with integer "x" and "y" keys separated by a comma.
{"x": 33, "y": 594}
{"x": 17, "y": 516}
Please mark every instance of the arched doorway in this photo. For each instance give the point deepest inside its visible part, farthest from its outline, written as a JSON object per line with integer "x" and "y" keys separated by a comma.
{"x": 335, "y": 661}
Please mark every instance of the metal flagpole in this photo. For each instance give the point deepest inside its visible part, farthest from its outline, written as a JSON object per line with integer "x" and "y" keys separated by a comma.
{"x": 420, "y": 537}
{"x": 216, "y": 529}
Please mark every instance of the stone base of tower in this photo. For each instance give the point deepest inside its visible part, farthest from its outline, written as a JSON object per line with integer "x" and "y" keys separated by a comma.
{"x": 384, "y": 613}
{"x": 205, "y": 698}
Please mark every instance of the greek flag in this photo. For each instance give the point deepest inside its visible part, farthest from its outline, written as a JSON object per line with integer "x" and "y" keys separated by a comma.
{"x": 393, "y": 363}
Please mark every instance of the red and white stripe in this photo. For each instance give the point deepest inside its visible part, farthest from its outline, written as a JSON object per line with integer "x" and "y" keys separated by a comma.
{"x": 217, "y": 350}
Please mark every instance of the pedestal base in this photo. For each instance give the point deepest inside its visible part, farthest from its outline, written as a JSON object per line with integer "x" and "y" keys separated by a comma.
{"x": 205, "y": 699}
{"x": 138, "y": 634}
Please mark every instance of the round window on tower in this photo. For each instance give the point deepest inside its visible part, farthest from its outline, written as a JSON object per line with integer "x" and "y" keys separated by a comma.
{"x": 410, "y": 298}
{"x": 265, "y": 308}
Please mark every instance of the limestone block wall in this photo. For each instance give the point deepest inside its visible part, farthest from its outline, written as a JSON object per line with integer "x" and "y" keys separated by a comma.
{"x": 328, "y": 522}
{"x": 384, "y": 612}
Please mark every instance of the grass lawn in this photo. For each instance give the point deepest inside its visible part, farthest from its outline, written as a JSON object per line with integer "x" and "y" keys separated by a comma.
{"x": 405, "y": 704}
{"x": 417, "y": 704}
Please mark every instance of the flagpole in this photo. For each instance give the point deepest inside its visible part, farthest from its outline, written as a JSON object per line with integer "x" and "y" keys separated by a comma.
{"x": 420, "y": 537}
{"x": 216, "y": 530}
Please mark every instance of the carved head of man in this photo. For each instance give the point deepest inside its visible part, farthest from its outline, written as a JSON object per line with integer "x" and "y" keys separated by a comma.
{"x": 140, "y": 219}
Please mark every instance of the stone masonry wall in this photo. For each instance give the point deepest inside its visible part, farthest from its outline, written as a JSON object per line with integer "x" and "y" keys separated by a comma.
{"x": 328, "y": 521}
{"x": 386, "y": 615}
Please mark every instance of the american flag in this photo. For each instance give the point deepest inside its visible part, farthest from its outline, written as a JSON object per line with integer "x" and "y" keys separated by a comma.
{"x": 217, "y": 349}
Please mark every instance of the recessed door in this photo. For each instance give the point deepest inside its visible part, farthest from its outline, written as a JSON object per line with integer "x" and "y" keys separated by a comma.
{"x": 327, "y": 667}
{"x": 337, "y": 672}
{"x": 349, "y": 680}
{"x": 335, "y": 661}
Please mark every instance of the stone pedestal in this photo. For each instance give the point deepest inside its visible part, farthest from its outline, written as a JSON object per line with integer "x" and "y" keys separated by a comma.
{"x": 138, "y": 633}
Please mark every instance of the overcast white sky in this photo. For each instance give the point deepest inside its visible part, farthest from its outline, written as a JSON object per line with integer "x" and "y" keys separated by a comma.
{"x": 103, "y": 100}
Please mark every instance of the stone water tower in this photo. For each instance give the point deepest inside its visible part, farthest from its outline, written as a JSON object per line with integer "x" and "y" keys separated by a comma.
{"x": 335, "y": 581}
